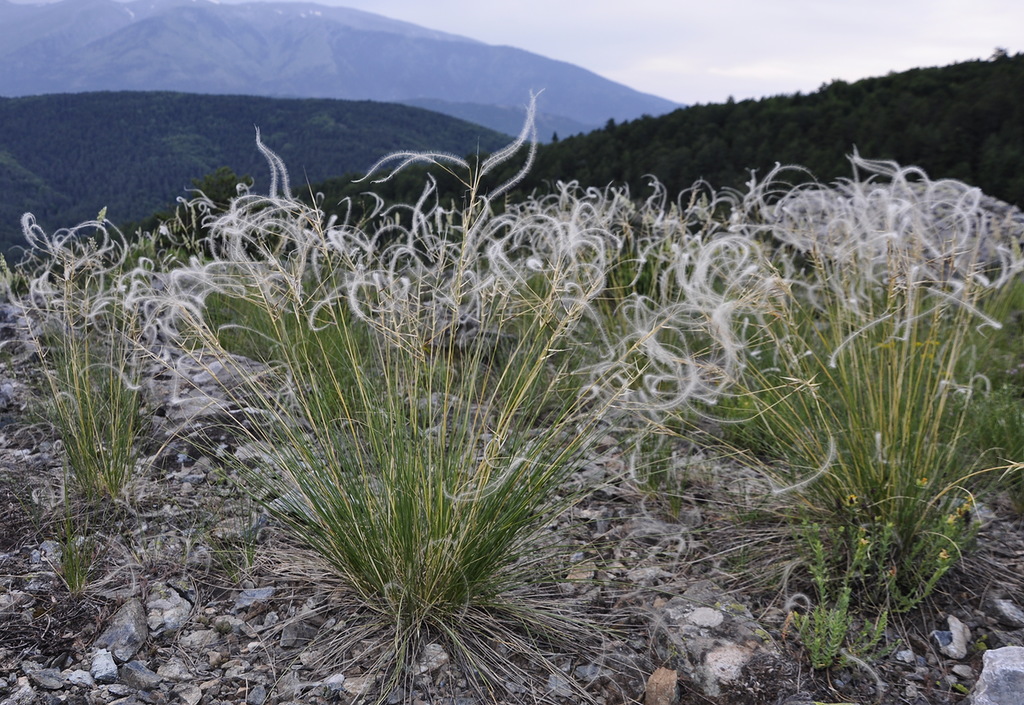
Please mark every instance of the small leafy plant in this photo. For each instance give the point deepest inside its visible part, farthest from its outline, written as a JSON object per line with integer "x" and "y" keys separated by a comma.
{"x": 827, "y": 630}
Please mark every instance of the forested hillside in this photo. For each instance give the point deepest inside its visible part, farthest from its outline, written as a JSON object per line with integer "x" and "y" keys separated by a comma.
{"x": 964, "y": 121}
{"x": 65, "y": 157}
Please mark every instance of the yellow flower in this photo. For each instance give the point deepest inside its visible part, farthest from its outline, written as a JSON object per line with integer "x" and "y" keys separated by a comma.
{"x": 851, "y": 499}
{"x": 943, "y": 555}
{"x": 922, "y": 482}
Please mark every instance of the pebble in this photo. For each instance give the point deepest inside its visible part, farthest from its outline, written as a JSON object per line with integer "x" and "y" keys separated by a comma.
{"x": 257, "y": 695}
{"x": 80, "y": 678}
{"x": 953, "y": 643}
{"x": 963, "y": 670}
{"x": 250, "y": 596}
{"x": 46, "y": 678}
{"x": 433, "y": 657}
{"x": 136, "y": 675}
{"x": 127, "y": 632}
{"x": 1008, "y": 613}
{"x": 188, "y": 693}
{"x": 103, "y": 669}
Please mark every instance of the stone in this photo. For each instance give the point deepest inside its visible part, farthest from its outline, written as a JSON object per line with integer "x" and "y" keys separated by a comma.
{"x": 174, "y": 670}
{"x": 188, "y": 694}
{"x": 662, "y": 688}
{"x": 103, "y": 668}
{"x": 296, "y": 634}
{"x": 560, "y": 687}
{"x": 725, "y": 663}
{"x": 1008, "y": 613}
{"x": 46, "y": 678}
{"x": 126, "y": 632}
{"x": 706, "y": 617}
{"x": 962, "y": 670}
{"x": 358, "y": 686}
{"x": 51, "y": 551}
{"x": 80, "y": 678}
{"x": 257, "y": 695}
{"x": 226, "y": 624}
{"x": 433, "y": 657}
{"x": 135, "y": 674}
{"x": 250, "y": 596}
{"x": 167, "y": 609}
{"x": 289, "y": 686}
{"x": 953, "y": 642}
{"x": 335, "y": 683}
{"x": 708, "y": 638}
{"x": 24, "y": 695}
{"x": 1002, "y": 677}
{"x": 199, "y": 639}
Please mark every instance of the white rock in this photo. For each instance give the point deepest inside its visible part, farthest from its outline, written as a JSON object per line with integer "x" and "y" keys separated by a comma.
{"x": 957, "y": 648}
{"x": 705, "y": 617}
{"x": 433, "y": 657}
{"x": 1002, "y": 677}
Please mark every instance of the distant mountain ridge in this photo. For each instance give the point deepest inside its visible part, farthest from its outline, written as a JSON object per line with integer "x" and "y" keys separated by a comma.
{"x": 64, "y": 157}
{"x": 286, "y": 49}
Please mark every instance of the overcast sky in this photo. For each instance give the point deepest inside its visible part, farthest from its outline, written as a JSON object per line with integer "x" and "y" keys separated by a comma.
{"x": 704, "y": 52}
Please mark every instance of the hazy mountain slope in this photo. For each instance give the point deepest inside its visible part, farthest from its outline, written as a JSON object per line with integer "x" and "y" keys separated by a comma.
{"x": 290, "y": 50}
{"x": 64, "y": 157}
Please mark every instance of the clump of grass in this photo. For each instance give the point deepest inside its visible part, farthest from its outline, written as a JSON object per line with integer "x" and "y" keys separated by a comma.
{"x": 90, "y": 348}
{"x": 434, "y": 381}
{"x": 855, "y": 383}
{"x": 78, "y": 554}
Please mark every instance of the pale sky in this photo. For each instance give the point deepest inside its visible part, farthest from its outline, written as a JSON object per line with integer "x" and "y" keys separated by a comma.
{"x": 704, "y": 52}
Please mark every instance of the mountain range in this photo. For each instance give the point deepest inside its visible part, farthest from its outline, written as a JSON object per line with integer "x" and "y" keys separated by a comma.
{"x": 301, "y": 50}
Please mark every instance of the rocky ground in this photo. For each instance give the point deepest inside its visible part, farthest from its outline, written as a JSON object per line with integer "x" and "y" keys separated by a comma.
{"x": 192, "y": 597}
